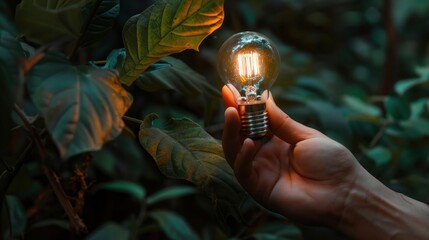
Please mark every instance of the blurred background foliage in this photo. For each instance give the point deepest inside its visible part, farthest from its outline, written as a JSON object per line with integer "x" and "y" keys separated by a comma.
{"x": 357, "y": 70}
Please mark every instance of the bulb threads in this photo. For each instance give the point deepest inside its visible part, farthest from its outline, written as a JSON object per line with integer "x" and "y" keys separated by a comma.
{"x": 254, "y": 120}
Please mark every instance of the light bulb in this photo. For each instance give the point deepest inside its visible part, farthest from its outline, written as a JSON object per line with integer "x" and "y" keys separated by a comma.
{"x": 248, "y": 63}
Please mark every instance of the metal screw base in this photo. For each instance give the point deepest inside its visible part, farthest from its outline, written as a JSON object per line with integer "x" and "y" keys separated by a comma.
{"x": 254, "y": 120}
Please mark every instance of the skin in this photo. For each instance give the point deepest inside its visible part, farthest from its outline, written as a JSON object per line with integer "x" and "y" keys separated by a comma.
{"x": 308, "y": 177}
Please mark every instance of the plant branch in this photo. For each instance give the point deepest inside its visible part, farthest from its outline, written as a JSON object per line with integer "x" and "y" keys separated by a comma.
{"x": 99, "y": 62}
{"x": 378, "y": 136}
{"x": 77, "y": 224}
{"x": 390, "y": 55}
{"x": 34, "y": 135}
{"x": 85, "y": 29}
{"x": 131, "y": 119}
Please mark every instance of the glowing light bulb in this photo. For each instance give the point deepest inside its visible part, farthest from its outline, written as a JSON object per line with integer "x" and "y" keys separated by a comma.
{"x": 248, "y": 63}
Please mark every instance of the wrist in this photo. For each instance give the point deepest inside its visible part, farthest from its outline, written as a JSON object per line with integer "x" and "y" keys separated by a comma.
{"x": 373, "y": 211}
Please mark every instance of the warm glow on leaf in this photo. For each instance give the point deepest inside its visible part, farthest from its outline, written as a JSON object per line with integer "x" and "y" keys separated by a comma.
{"x": 165, "y": 28}
{"x": 82, "y": 106}
{"x": 183, "y": 150}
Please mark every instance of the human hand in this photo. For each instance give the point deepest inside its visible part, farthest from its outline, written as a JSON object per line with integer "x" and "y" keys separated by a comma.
{"x": 298, "y": 172}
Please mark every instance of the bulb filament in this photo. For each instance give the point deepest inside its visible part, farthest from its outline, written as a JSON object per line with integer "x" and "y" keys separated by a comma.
{"x": 248, "y": 66}
{"x": 249, "y": 71}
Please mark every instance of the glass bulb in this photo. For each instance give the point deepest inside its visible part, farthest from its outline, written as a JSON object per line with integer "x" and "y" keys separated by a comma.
{"x": 248, "y": 63}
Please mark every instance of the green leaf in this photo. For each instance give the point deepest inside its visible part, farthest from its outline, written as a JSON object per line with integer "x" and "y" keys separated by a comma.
{"x": 115, "y": 58}
{"x": 397, "y": 108}
{"x": 420, "y": 108}
{"x": 164, "y": 28}
{"x": 183, "y": 150}
{"x": 42, "y": 21}
{"x": 359, "y": 107}
{"x": 173, "y": 74}
{"x": 380, "y": 155}
{"x": 127, "y": 187}
{"x": 82, "y": 106}
{"x": 404, "y": 86}
{"x": 109, "y": 231}
{"x": 173, "y": 225}
{"x": 102, "y": 21}
{"x": 415, "y": 128}
{"x": 18, "y": 219}
{"x": 168, "y": 193}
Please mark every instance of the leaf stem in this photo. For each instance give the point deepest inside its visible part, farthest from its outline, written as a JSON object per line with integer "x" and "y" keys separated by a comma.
{"x": 85, "y": 29}
{"x": 131, "y": 119}
{"x": 99, "y": 62}
{"x": 379, "y": 134}
{"x": 76, "y": 222}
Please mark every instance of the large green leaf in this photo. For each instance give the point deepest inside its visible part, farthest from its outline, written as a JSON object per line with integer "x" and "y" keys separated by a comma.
{"x": 183, "y": 150}
{"x": 173, "y": 74}
{"x": 173, "y": 225}
{"x": 82, "y": 106}
{"x": 42, "y": 21}
{"x": 101, "y": 22}
{"x": 164, "y": 28}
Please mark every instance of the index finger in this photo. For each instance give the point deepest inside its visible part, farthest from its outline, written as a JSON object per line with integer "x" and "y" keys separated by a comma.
{"x": 228, "y": 98}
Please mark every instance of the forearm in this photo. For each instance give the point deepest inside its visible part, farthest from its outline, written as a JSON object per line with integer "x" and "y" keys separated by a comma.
{"x": 373, "y": 211}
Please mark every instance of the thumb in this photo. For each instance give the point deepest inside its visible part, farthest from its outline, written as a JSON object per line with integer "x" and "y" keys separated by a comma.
{"x": 286, "y": 128}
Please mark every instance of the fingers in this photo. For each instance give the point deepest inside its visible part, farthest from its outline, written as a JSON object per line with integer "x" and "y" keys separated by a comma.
{"x": 239, "y": 154}
{"x": 228, "y": 98}
{"x": 243, "y": 166}
{"x": 285, "y": 127}
{"x": 231, "y": 139}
